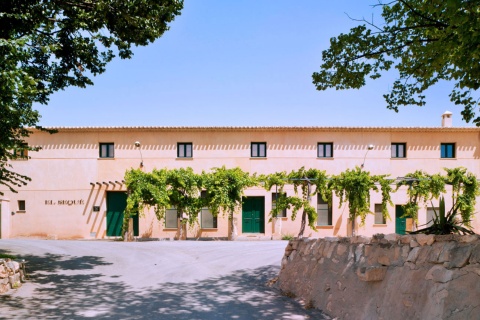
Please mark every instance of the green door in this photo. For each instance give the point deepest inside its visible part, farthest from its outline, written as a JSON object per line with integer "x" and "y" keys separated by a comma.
{"x": 400, "y": 223}
{"x": 253, "y": 215}
{"x": 116, "y": 204}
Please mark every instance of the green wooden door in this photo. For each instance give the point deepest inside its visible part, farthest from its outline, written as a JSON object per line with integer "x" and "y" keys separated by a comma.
{"x": 116, "y": 204}
{"x": 400, "y": 223}
{"x": 253, "y": 215}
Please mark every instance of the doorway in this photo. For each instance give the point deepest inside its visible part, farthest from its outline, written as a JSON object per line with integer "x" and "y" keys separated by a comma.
{"x": 400, "y": 223}
{"x": 253, "y": 215}
{"x": 116, "y": 204}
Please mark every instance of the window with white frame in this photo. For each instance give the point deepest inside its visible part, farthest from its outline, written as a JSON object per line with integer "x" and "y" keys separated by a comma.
{"x": 324, "y": 211}
{"x": 207, "y": 219}
{"x": 275, "y": 197}
{"x": 431, "y": 215}
{"x": 171, "y": 218}
{"x": 379, "y": 218}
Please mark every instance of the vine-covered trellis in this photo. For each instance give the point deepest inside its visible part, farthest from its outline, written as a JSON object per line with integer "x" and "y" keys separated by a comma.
{"x": 224, "y": 189}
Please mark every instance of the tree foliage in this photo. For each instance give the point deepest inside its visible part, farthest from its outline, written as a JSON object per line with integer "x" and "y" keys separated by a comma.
{"x": 426, "y": 41}
{"x": 162, "y": 189}
{"x": 422, "y": 188}
{"x": 183, "y": 189}
{"x": 224, "y": 191}
{"x": 465, "y": 189}
{"x": 46, "y": 46}
{"x": 277, "y": 180}
{"x": 306, "y": 184}
{"x": 146, "y": 190}
{"x": 354, "y": 186}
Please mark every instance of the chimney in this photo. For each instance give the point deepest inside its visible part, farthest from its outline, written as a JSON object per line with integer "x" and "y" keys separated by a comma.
{"x": 447, "y": 119}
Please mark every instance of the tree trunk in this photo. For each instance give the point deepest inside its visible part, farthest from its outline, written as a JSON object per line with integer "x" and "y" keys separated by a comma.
{"x": 302, "y": 225}
{"x": 181, "y": 227}
{"x": 353, "y": 225}
{"x": 233, "y": 227}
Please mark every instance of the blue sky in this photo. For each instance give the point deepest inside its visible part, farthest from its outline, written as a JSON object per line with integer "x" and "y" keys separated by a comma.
{"x": 240, "y": 63}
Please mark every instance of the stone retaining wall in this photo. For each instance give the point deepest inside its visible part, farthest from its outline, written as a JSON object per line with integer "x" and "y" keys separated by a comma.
{"x": 11, "y": 275}
{"x": 386, "y": 276}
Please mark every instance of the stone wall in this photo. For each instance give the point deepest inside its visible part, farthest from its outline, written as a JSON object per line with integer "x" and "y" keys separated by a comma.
{"x": 11, "y": 274}
{"x": 386, "y": 276}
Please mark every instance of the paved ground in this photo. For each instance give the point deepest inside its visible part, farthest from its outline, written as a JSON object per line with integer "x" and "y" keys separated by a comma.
{"x": 149, "y": 280}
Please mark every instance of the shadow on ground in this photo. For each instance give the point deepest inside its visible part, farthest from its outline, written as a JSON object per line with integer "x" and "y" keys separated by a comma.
{"x": 66, "y": 287}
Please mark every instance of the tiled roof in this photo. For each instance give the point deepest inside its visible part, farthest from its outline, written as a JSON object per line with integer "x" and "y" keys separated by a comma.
{"x": 268, "y": 128}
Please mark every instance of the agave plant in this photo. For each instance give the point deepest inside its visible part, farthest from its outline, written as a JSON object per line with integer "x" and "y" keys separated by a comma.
{"x": 446, "y": 222}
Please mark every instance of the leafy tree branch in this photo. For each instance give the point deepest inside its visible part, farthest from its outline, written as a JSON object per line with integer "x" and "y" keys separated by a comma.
{"x": 425, "y": 41}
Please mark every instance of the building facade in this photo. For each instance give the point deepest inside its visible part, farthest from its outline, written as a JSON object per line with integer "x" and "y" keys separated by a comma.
{"x": 77, "y": 188}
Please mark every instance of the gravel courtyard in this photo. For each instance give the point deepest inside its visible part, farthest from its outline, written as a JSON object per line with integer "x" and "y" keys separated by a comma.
{"x": 149, "y": 280}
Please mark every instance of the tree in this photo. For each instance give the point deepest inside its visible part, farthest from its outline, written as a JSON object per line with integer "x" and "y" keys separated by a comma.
{"x": 224, "y": 192}
{"x": 183, "y": 189}
{"x": 426, "y": 41}
{"x": 302, "y": 179}
{"x": 354, "y": 186}
{"x": 161, "y": 189}
{"x": 145, "y": 190}
{"x": 46, "y": 46}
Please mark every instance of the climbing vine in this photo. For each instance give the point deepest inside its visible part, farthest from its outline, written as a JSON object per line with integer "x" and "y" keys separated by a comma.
{"x": 306, "y": 183}
{"x": 184, "y": 188}
{"x": 422, "y": 188}
{"x": 354, "y": 186}
{"x": 224, "y": 191}
{"x": 145, "y": 190}
{"x": 465, "y": 189}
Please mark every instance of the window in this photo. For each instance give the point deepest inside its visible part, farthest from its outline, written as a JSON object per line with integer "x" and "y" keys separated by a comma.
{"x": 399, "y": 150}
{"x": 171, "y": 218}
{"x": 431, "y": 215}
{"x": 259, "y": 150}
{"x": 325, "y": 150}
{"x": 184, "y": 150}
{"x": 207, "y": 220}
{"x": 447, "y": 150}
{"x": 107, "y": 150}
{"x": 324, "y": 211}
{"x": 275, "y": 196}
{"x": 379, "y": 218}
{"x": 21, "y": 151}
{"x": 21, "y": 205}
